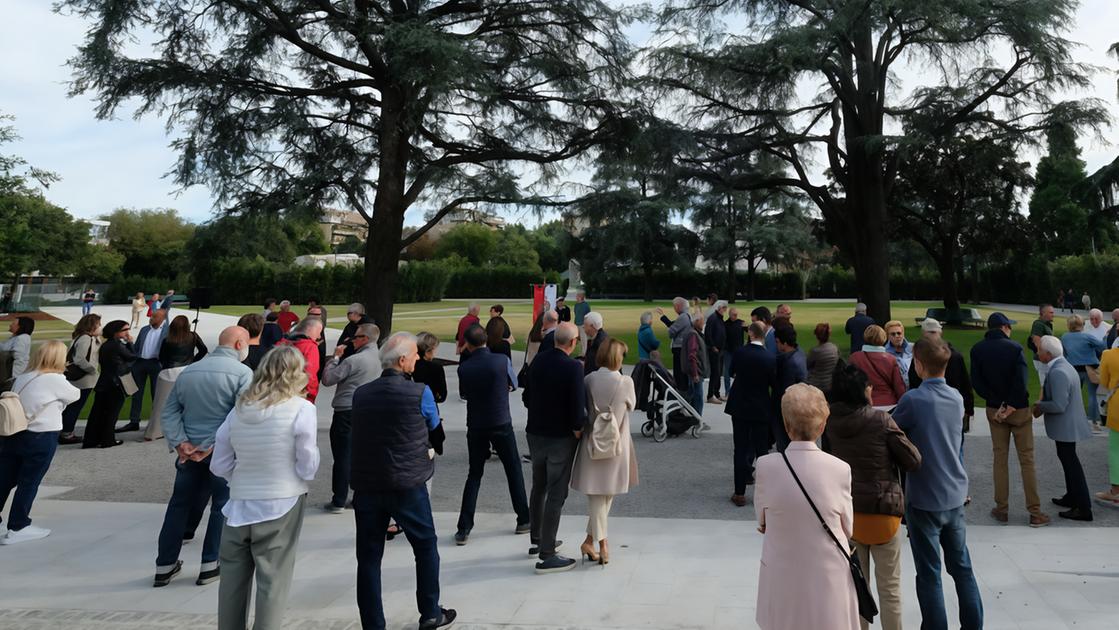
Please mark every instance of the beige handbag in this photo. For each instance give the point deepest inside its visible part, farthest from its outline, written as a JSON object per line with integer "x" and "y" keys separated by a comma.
{"x": 606, "y": 435}
{"x": 128, "y": 384}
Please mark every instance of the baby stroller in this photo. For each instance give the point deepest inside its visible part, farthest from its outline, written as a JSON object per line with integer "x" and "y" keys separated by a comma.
{"x": 668, "y": 410}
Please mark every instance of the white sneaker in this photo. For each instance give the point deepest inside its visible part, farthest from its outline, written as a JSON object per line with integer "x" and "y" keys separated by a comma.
{"x": 26, "y": 534}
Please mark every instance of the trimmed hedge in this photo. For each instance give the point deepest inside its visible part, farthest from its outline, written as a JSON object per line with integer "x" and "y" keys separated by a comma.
{"x": 495, "y": 282}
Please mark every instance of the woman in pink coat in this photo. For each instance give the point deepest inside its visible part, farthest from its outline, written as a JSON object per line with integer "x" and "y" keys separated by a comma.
{"x": 804, "y": 580}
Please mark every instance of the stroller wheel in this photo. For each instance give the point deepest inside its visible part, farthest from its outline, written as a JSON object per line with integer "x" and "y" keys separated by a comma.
{"x": 696, "y": 430}
{"x": 660, "y": 432}
{"x": 647, "y": 428}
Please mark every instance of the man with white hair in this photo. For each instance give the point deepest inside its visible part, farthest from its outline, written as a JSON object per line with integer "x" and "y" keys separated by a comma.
{"x": 548, "y": 326}
{"x": 357, "y": 317}
{"x": 678, "y": 332}
{"x": 557, "y": 411}
{"x": 715, "y": 335}
{"x": 955, "y": 374}
{"x": 467, "y": 321}
{"x": 857, "y": 325}
{"x": 592, "y": 328}
{"x": 1096, "y": 327}
{"x": 1066, "y": 424}
{"x": 348, "y": 373}
{"x": 392, "y": 417}
{"x": 305, "y": 338}
{"x": 198, "y": 404}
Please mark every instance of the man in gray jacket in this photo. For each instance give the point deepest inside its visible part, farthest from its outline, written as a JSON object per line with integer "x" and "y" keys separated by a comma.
{"x": 678, "y": 332}
{"x": 361, "y": 367}
{"x": 1066, "y": 424}
{"x": 203, "y": 395}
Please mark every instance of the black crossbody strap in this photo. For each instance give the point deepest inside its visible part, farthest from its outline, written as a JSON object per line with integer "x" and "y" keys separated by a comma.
{"x": 846, "y": 552}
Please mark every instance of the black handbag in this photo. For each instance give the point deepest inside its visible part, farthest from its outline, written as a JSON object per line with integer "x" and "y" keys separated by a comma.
{"x": 72, "y": 371}
{"x": 868, "y": 608}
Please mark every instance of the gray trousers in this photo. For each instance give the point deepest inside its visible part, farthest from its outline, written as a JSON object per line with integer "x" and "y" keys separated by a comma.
{"x": 265, "y": 551}
{"x": 552, "y": 458}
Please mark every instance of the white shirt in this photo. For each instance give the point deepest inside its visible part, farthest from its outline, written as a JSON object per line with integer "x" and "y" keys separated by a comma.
{"x": 1099, "y": 332}
{"x": 239, "y": 513}
{"x": 44, "y": 395}
{"x": 151, "y": 343}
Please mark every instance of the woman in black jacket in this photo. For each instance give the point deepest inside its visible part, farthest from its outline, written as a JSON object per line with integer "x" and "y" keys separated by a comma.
{"x": 115, "y": 358}
{"x": 427, "y": 371}
{"x": 875, "y": 448}
{"x": 182, "y": 347}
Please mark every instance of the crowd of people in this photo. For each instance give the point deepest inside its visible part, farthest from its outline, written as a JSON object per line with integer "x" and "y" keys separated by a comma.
{"x": 860, "y": 443}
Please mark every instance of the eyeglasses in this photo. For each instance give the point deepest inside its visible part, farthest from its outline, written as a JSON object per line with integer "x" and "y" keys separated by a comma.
{"x": 361, "y": 336}
{"x": 897, "y": 334}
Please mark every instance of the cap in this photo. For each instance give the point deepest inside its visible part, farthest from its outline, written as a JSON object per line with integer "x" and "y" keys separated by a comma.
{"x": 998, "y": 320}
{"x": 930, "y": 325}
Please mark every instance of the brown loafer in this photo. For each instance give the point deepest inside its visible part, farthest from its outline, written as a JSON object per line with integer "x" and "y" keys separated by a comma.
{"x": 738, "y": 499}
{"x": 999, "y": 515}
{"x": 1039, "y": 520}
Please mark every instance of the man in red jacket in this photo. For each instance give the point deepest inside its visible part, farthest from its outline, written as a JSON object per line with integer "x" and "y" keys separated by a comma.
{"x": 305, "y": 339}
{"x": 467, "y": 321}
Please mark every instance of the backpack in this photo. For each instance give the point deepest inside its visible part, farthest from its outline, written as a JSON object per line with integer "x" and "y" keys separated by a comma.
{"x": 13, "y": 417}
{"x": 606, "y": 436}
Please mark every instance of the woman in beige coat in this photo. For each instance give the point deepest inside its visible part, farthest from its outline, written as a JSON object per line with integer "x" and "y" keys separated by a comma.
{"x": 602, "y": 479}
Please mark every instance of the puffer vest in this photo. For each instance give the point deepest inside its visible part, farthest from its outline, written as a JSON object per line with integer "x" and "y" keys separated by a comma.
{"x": 264, "y": 441}
{"x": 389, "y": 436}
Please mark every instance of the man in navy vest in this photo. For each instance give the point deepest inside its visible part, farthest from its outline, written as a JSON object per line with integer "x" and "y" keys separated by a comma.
{"x": 391, "y": 419}
{"x": 486, "y": 380}
{"x": 557, "y": 411}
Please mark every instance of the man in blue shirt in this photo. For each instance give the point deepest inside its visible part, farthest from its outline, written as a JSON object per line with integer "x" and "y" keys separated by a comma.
{"x": 935, "y": 493}
{"x": 486, "y": 380}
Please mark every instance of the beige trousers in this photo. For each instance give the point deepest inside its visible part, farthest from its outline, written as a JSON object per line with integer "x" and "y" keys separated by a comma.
{"x": 886, "y": 559}
{"x": 598, "y": 514}
{"x": 163, "y": 386}
{"x": 1020, "y": 426}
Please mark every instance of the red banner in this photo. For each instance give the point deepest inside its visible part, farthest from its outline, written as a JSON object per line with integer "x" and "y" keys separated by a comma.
{"x": 537, "y": 300}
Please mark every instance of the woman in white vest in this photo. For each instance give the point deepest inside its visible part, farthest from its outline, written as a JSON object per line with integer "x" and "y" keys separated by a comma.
{"x": 25, "y": 457}
{"x": 605, "y": 462}
{"x": 266, "y": 448}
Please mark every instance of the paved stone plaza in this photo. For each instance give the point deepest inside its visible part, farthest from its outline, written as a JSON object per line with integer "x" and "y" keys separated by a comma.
{"x": 682, "y": 555}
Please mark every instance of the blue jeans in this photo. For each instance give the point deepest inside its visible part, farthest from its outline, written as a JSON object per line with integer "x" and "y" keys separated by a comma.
{"x": 412, "y": 510}
{"x": 728, "y": 358}
{"x": 340, "y": 450}
{"x": 87, "y": 307}
{"x": 1093, "y": 408}
{"x": 194, "y": 485}
{"x": 24, "y": 460}
{"x": 928, "y": 533}
{"x": 695, "y": 395}
{"x": 478, "y": 443}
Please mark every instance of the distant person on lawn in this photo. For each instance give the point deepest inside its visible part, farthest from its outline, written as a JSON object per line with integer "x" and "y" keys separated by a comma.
{"x": 857, "y": 325}
{"x": 286, "y": 319}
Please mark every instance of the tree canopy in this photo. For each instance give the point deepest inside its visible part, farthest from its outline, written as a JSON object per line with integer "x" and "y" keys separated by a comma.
{"x": 745, "y": 89}
{"x": 377, "y": 105}
{"x": 152, "y": 241}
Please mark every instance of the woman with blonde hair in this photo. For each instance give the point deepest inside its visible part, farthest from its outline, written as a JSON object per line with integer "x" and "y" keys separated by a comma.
{"x": 880, "y": 367}
{"x": 605, "y": 462}
{"x": 139, "y": 305}
{"x": 25, "y": 457}
{"x": 82, "y": 357}
{"x": 266, "y": 449}
{"x": 795, "y": 491}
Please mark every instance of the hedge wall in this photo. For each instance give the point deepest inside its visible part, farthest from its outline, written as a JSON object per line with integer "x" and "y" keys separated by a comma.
{"x": 495, "y": 282}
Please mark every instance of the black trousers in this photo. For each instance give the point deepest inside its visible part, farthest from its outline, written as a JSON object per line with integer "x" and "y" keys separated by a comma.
{"x": 715, "y": 360}
{"x": 678, "y": 373}
{"x": 340, "y": 430}
{"x": 751, "y": 441}
{"x": 103, "y": 416}
{"x": 1076, "y": 487}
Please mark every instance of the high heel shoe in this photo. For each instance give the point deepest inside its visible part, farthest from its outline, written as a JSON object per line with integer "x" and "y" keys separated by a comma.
{"x": 586, "y": 550}
{"x": 603, "y": 553}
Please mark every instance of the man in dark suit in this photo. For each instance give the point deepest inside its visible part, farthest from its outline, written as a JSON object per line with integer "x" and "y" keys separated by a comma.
{"x": 715, "y": 334}
{"x": 592, "y": 326}
{"x": 486, "y": 380}
{"x": 145, "y": 371}
{"x": 749, "y": 405}
{"x": 857, "y": 325}
{"x": 557, "y": 411}
{"x": 792, "y": 368}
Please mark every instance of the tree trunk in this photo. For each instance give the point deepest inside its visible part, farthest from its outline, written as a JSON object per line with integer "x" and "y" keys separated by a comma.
{"x": 382, "y": 247}
{"x": 647, "y": 272}
{"x": 732, "y": 289}
{"x": 949, "y": 287}
{"x": 751, "y": 269}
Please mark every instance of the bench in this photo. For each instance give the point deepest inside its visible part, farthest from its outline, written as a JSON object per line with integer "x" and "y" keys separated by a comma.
{"x": 968, "y": 316}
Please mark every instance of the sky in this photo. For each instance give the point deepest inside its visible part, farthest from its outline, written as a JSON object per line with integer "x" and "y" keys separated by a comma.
{"x": 121, "y": 163}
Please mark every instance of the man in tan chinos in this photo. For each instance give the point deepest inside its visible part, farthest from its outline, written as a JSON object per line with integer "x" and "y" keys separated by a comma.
{"x": 998, "y": 374}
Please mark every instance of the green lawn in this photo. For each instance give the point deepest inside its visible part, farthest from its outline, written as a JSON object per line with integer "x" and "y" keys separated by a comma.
{"x": 622, "y": 317}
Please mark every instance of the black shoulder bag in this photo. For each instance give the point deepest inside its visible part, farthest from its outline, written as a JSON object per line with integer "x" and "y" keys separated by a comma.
{"x": 867, "y": 606}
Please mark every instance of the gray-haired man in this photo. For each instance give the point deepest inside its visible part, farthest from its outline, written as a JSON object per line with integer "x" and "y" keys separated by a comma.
{"x": 678, "y": 331}
{"x": 348, "y": 373}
